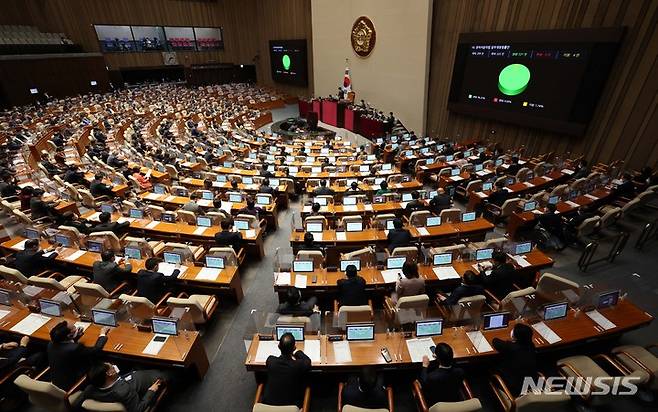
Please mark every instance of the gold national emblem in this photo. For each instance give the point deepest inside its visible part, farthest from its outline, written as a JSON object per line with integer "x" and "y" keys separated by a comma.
{"x": 363, "y": 36}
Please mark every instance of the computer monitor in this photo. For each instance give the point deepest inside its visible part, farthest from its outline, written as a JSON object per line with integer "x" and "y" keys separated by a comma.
{"x": 432, "y": 194}
{"x": 168, "y": 217}
{"x": 442, "y": 259}
{"x": 498, "y": 162}
{"x": 235, "y": 198}
{"x": 263, "y": 200}
{"x": 468, "y": 217}
{"x": 207, "y": 195}
{"x": 50, "y": 307}
{"x": 182, "y": 192}
{"x": 555, "y": 310}
{"x": 173, "y": 258}
{"x": 496, "y": 320}
{"x": 63, "y": 240}
{"x": 433, "y": 221}
{"x": 132, "y": 252}
{"x": 486, "y": 186}
{"x": 349, "y": 201}
{"x": 293, "y": 169}
{"x": 529, "y": 206}
{"x": 450, "y": 158}
{"x": 387, "y": 166}
{"x": 360, "y": 331}
{"x": 529, "y": 176}
{"x": 106, "y": 208}
{"x": 5, "y": 297}
{"x": 379, "y": 180}
{"x": 221, "y": 178}
{"x": 215, "y": 262}
{"x": 430, "y": 327}
{"x": 406, "y": 197}
{"x": 297, "y": 331}
{"x": 275, "y": 183}
{"x": 165, "y": 326}
{"x": 32, "y": 233}
{"x": 608, "y": 299}
{"x": 395, "y": 262}
{"x": 454, "y": 172}
{"x": 241, "y": 224}
{"x": 479, "y": 167}
{"x": 136, "y": 213}
{"x": 522, "y": 248}
{"x": 302, "y": 266}
{"x": 484, "y": 254}
{"x": 228, "y": 164}
{"x": 104, "y": 317}
{"x": 159, "y": 189}
{"x": 314, "y": 227}
{"x": 509, "y": 181}
{"x": 95, "y": 246}
{"x": 354, "y": 226}
{"x": 247, "y": 180}
{"x": 553, "y": 200}
{"x": 346, "y": 262}
{"x": 322, "y": 201}
{"x": 364, "y": 168}
{"x": 409, "y": 153}
{"x": 429, "y": 161}
{"x": 390, "y": 225}
{"x": 204, "y": 221}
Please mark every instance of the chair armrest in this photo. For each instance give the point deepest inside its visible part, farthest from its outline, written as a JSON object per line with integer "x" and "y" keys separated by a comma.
{"x": 42, "y": 373}
{"x": 340, "y": 396}
{"x": 161, "y": 302}
{"x": 119, "y": 288}
{"x": 616, "y": 365}
{"x": 651, "y": 346}
{"x": 468, "y": 392}
{"x": 372, "y": 311}
{"x": 262, "y": 223}
{"x": 76, "y": 387}
{"x": 336, "y": 306}
{"x": 417, "y": 391}
{"x": 306, "y": 406}
{"x": 584, "y": 396}
{"x": 240, "y": 256}
{"x": 389, "y": 395}
{"x": 45, "y": 274}
{"x": 497, "y": 385}
{"x": 388, "y": 304}
{"x": 16, "y": 371}
{"x": 259, "y": 393}
{"x": 491, "y": 296}
{"x": 162, "y": 391}
{"x": 55, "y": 275}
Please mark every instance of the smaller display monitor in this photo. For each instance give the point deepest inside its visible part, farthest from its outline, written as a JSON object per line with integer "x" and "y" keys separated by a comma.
{"x": 172, "y": 258}
{"x": 50, "y": 307}
{"x": 553, "y": 200}
{"x": 529, "y": 206}
{"x": 165, "y": 326}
{"x": 235, "y": 197}
{"x": 136, "y": 213}
{"x": 297, "y": 331}
{"x": 486, "y": 186}
{"x": 203, "y": 221}
{"x": 433, "y": 221}
{"x": 168, "y": 217}
{"x": 468, "y": 217}
{"x": 314, "y": 227}
{"x": 555, "y": 310}
{"x": 608, "y": 299}
{"x": 322, "y": 201}
{"x": 207, "y": 195}
{"x": 484, "y": 254}
{"x": 346, "y": 262}
{"x": 247, "y": 180}
{"x": 132, "y": 252}
{"x": 5, "y": 297}
{"x": 395, "y": 262}
{"x": 360, "y": 331}
{"x": 349, "y": 201}
{"x": 63, "y": 240}
{"x": 32, "y": 233}
{"x": 442, "y": 259}
{"x": 496, "y": 320}
{"x": 241, "y": 224}
{"x": 104, "y": 317}
{"x": 354, "y": 226}
{"x": 215, "y": 262}
{"x": 430, "y": 327}
{"x": 302, "y": 266}
{"x": 263, "y": 200}
{"x": 107, "y": 208}
{"x": 522, "y": 248}
{"x": 95, "y": 246}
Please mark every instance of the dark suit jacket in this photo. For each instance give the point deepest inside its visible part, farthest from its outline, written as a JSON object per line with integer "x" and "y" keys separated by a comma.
{"x": 441, "y": 384}
{"x": 10, "y": 357}
{"x": 108, "y": 274}
{"x": 131, "y": 390}
{"x": 517, "y": 362}
{"x": 286, "y": 379}
{"x": 266, "y": 189}
{"x": 303, "y": 308}
{"x": 115, "y": 227}
{"x": 228, "y": 238}
{"x": 415, "y": 205}
{"x": 498, "y": 197}
{"x": 500, "y": 280}
{"x": 153, "y": 285}
{"x": 352, "y": 292}
{"x": 440, "y": 202}
{"x": 373, "y": 399}
{"x": 98, "y": 188}
{"x": 39, "y": 208}
{"x": 68, "y": 361}
{"x": 75, "y": 177}
{"x": 398, "y": 237}
{"x": 463, "y": 291}
{"x": 32, "y": 263}
{"x": 513, "y": 169}
{"x": 322, "y": 191}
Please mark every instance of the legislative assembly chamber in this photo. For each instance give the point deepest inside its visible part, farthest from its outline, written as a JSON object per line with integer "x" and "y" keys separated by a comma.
{"x": 321, "y": 205}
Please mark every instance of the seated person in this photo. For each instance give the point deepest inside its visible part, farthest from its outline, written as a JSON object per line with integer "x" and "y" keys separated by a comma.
{"x": 444, "y": 381}
{"x": 49, "y": 166}
{"x": 30, "y": 261}
{"x": 409, "y": 285}
{"x": 286, "y": 374}
{"x": 68, "y": 359}
{"x": 143, "y": 181}
{"x": 108, "y": 273}
{"x": 352, "y": 291}
{"x": 107, "y": 225}
{"x": 552, "y": 222}
{"x": 309, "y": 243}
{"x": 71, "y": 219}
{"x": 582, "y": 170}
{"x": 73, "y": 176}
{"x": 398, "y": 236}
{"x": 502, "y": 276}
{"x": 39, "y": 208}
{"x": 383, "y": 189}
{"x": 12, "y": 352}
{"x": 441, "y": 201}
{"x": 353, "y": 189}
{"x": 366, "y": 390}
{"x": 294, "y": 305}
{"x": 315, "y": 209}
{"x": 226, "y": 237}
{"x": 98, "y": 188}
{"x": 217, "y": 207}
{"x": 266, "y": 188}
{"x": 251, "y": 208}
{"x": 470, "y": 286}
{"x": 152, "y": 284}
{"x": 191, "y": 205}
{"x": 514, "y": 167}
{"x": 8, "y": 185}
{"x": 323, "y": 189}
{"x": 625, "y": 189}
{"x": 499, "y": 196}
{"x": 416, "y": 203}
{"x": 136, "y": 390}
{"x": 519, "y": 358}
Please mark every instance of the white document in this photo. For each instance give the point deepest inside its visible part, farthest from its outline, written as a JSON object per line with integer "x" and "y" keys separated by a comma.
{"x": 125, "y": 219}
{"x": 528, "y": 184}
{"x": 312, "y": 349}
{"x": 307, "y": 209}
{"x": 482, "y": 172}
{"x": 49, "y": 254}
{"x": 208, "y": 274}
{"x": 199, "y": 230}
{"x": 481, "y": 194}
{"x": 420, "y": 347}
{"x": 547, "y": 333}
{"x": 350, "y": 208}
{"x": 250, "y": 233}
{"x": 152, "y": 225}
{"x": 339, "y": 235}
{"x": 567, "y": 171}
{"x": 300, "y": 281}
{"x": 167, "y": 269}
{"x": 4, "y": 313}
{"x": 153, "y": 196}
{"x": 282, "y": 278}
{"x": 204, "y": 202}
{"x": 572, "y": 204}
{"x": 94, "y": 216}
{"x": 368, "y": 207}
{"x": 20, "y": 245}
{"x": 445, "y": 272}
{"x": 75, "y": 255}
{"x": 423, "y": 231}
{"x": 591, "y": 197}
{"x": 403, "y": 205}
{"x": 479, "y": 341}
{"x": 170, "y": 198}
{"x": 600, "y": 320}
{"x": 507, "y": 189}
{"x": 265, "y": 349}
{"x": 82, "y": 325}
{"x": 342, "y": 352}
{"x": 521, "y": 261}
{"x": 546, "y": 178}
{"x": 30, "y": 324}
{"x": 153, "y": 348}
{"x": 455, "y": 178}
{"x": 390, "y": 275}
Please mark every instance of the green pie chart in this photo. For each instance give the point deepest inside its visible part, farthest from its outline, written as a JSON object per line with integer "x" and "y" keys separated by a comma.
{"x": 286, "y": 61}
{"x": 513, "y": 79}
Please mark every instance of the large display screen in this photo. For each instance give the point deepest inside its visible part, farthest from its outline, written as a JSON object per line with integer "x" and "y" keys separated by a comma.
{"x": 288, "y": 61}
{"x": 550, "y": 79}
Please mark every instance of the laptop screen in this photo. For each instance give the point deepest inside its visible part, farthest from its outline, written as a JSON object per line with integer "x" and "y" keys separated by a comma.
{"x": 296, "y": 331}
{"x": 314, "y": 227}
{"x": 136, "y": 213}
{"x": 302, "y": 266}
{"x": 442, "y": 259}
{"x": 207, "y": 195}
{"x": 31, "y": 233}
{"x": 203, "y": 221}
{"x": 63, "y": 240}
{"x": 522, "y": 248}
{"x": 529, "y": 206}
{"x": 132, "y": 252}
{"x": 484, "y": 254}
{"x": 429, "y": 328}
{"x": 173, "y": 258}
{"x": 50, "y": 307}
{"x": 215, "y": 262}
{"x": 345, "y": 263}
{"x": 495, "y": 320}
{"x": 104, "y": 317}
{"x": 556, "y": 311}
{"x": 354, "y": 226}
{"x": 241, "y": 224}
{"x": 263, "y": 200}
{"x": 94, "y": 246}
{"x": 468, "y": 217}
{"x": 165, "y": 326}
{"x": 349, "y": 201}
{"x": 395, "y": 262}
{"x": 608, "y": 299}
{"x": 362, "y": 331}
{"x": 433, "y": 221}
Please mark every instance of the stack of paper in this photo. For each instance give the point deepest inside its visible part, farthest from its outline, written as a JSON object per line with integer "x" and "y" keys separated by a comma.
{"x": 282, "y": 278}
{"x": 204, "y": 202}
{"x": 368, "y": 207}
{"x": 601, "y": 320}
{"x": 153, "y": 347}
{"x": 350, "y": 208}
{"x": 152, "y": 225}
{"x": 420, "y": 347}
{"x": 342, "y": 352}
{"x": 445, "y": 272}
{"x": 167, "y": 269}
{"x": 20, "y": 245}
{"x": 547, "y": 333}
{"x": 312, "y": 349}
{"x": 153, "y": 196}
{"x": 455, "y": 178}
{"x": 265, "y": 349}
{"x": 301, "y": 281}
{"x": 4, "y": 313}
{"x": 567, "y": 171}
{"x": 75, "y": 255}
{"x": 249, "y": 233}
{"x": 125, "y": 219}
{"x": 423, "y": 231}
{"x": 208, "y": 274}
{"x": 227, "y": 206}
{"x": 94, "y": 216}
{"x": 572, "y": 204}
{"x": 479, "y": 341}
{"x": 591, "y": 197}
{"x": 339, "y": 236}
{"x": 521, "y": 261}
{"x": 528, "y": 184}
{"x": 390, "y": 275}
{"x": 170, "y": 198}
{"x": 30, "y": 324}
{"x": 199, "y": 230}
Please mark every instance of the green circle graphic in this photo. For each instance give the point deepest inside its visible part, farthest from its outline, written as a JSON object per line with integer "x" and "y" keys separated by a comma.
{"x": 286, "y": 61}
{"x": 513, "y": 79}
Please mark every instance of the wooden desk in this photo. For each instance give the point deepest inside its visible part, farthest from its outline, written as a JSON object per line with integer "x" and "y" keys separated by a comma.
{"x": 340, "y": 191}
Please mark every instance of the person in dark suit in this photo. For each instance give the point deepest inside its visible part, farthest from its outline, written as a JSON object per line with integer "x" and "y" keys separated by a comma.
{"x": 286, "y": 374}
{"x": 626, "y": 188}
{"x": 499, "y": 196}
{"x": 443, "y": 383}
{"x": 315, "y": 209}
{"x": 582, "y": 170}
{"x": 108, "y": 273}
{"x": 107, "y": 225}
{"x": 366, "y": 390}
{"x": 228, "y": 238}
{"x": 98, "y": 188}
{"x": 294, "y": 305}
{"x": 12, "y": 352}
{"x": 398, "y": 236}
{"x": 502, "y": 276}
{"x": 514, "y": 167}
{"x": 251, "y": 208}
{"x": 309, "y": 243}
{"x": 73, "y": 175}
{"x": 68, "y": 359}
{"x": 152, "y": 284}
{"x": 352, "y": 291}
{"x": 519, "y": 358}
{"x": 441, "y": 201}
{"x": 266, "y": 188}
{"x": 39, "y": 208}
{"x": 416, "y": 202}
{"x": 49, "y": 166}
{"x": 30, "y": 261}
{"x": 354, "y": 189}
{"x": 469, "y": 287}
{"x": 136, "y": 390}
{"x": 323, "y": 189}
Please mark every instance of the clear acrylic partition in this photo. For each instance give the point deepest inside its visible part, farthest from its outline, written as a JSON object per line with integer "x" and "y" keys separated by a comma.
{"x": 462, "y": 315}
{"x": 296, "y": 222}
{"x": 282, "y": 261}
{"x": 590, "y": 294}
